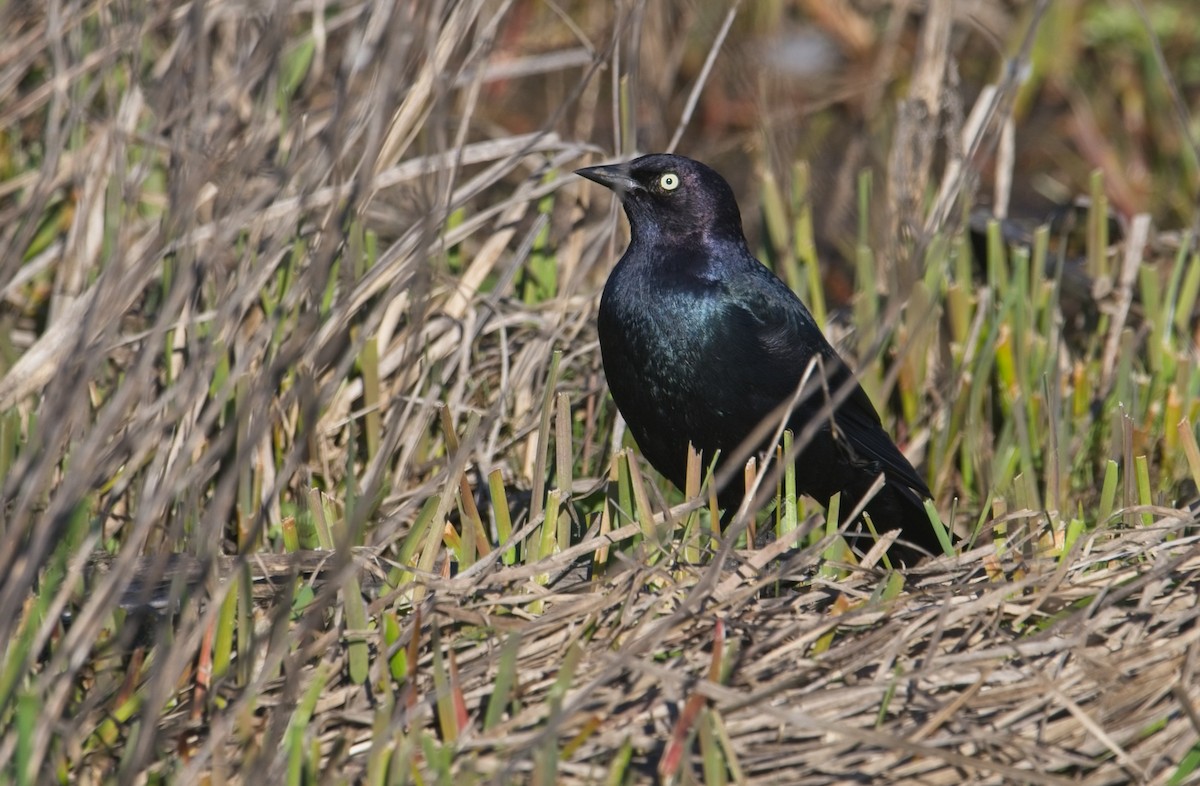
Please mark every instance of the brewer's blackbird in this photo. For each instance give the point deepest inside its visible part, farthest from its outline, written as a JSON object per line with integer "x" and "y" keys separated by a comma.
{"x": 701, "y": 342}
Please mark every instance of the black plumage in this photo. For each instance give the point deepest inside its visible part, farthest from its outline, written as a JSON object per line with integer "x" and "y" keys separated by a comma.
{"x": 701, "y": 342}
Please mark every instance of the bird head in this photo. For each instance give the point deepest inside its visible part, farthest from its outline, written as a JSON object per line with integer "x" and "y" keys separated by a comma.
{"x": 671, "y": 196}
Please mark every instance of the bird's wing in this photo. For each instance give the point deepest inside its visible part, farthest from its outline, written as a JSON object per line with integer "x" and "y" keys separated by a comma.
{"x": 786, "y": 338}
{"x": 870, "y": 442}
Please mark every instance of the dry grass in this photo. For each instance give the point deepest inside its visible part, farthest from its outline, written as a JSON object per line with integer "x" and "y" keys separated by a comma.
{"x": 305, "y": 296}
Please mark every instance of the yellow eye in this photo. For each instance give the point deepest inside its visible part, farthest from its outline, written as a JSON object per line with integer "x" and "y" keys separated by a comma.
{"x": 669, "y": 181}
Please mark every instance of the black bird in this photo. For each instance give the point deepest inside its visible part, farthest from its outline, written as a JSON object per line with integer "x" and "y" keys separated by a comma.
{"x": 701, "y": 343}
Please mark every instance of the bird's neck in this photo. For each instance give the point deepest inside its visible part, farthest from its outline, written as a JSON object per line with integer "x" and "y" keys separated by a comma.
{"x": 704, "y": 255}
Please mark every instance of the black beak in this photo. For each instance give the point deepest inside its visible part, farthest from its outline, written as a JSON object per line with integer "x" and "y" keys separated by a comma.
{"x": 613, "y": 176}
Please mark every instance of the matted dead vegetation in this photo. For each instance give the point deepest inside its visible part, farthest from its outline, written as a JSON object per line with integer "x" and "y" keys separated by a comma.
{"x": 304, "y": 296}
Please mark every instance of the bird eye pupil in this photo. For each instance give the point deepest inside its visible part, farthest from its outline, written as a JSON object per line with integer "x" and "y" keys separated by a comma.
{"x": 669, "y": 181}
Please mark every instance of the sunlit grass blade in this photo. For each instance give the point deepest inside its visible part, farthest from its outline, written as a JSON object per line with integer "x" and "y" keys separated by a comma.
{"x": 503, "y": 518}
{"x": 1143, "y": 488}
{"x": 1108, "y": 494}
{"x": 299, "y": 730}
{"x": 506, "y": 680}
